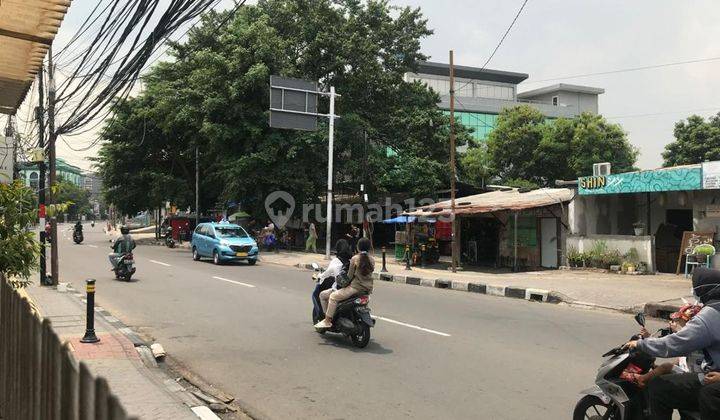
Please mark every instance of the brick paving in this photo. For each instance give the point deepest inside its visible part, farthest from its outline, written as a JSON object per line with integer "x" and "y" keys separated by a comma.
{"x": 142, "y": 390}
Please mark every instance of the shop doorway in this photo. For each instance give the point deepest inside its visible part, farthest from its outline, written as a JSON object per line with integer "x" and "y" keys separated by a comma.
{"x": 683, "y": 219}
{"x": 668, "y": 238}
{"x": 549, "y": 242}
{"x": 480, "y": 236}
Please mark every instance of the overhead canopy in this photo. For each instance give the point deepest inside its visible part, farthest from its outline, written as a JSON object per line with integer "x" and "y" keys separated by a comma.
{"x": 494, "y": 201}
{"x": 27, "y": 28}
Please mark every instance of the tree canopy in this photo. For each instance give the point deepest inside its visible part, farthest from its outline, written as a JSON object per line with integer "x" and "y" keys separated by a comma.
{"x": 696, "y": 140}
{"x": 20, "y": 250}
{"x": 526, "y": 148}
{"x": 214, "y": 96}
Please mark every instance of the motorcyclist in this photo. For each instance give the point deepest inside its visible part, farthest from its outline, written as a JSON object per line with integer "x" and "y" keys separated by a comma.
{"x": 689, "y": 391}
{"x": 122, "y": 245}
{"x": 340, "y": 263}
{"x": 78, "y": 227}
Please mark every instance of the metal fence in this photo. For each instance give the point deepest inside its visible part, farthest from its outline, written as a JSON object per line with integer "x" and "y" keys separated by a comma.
{"x": 39, "y": 377}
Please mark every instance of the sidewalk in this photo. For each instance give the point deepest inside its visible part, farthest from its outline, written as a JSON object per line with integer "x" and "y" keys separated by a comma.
{"x": 614, "y": 291}
{"x": 145, "y": 392}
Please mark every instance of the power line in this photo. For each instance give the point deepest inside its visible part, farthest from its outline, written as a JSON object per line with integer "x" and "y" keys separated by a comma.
{"x": 630, "y": 69}
{"x": 497, "y": 47}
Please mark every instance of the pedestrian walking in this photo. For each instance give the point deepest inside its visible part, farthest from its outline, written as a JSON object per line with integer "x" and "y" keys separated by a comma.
{"x": 311, "y": 242}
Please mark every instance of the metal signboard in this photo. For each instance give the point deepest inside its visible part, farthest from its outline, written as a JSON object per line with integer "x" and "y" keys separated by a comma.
{"x": 293, "y": 103}
{"x": 711, "y": 175}
{"x": 670, "y": 179}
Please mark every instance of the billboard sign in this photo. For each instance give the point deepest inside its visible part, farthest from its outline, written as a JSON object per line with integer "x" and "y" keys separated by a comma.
{"x": 293, "y": 103}
{"x": 670, "y": 179}
{"x": 7, "y": 159}
{"x": 711, "y": 175}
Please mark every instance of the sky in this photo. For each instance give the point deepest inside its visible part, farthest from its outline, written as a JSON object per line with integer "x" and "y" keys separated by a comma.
{"x": 554, "y": 38}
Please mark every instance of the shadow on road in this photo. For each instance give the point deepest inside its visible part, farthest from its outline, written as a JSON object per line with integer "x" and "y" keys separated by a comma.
{"x": 339, "y": 341}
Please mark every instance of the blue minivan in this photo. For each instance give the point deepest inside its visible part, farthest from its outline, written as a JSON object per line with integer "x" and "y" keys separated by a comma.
{"x": 223, "y": 242}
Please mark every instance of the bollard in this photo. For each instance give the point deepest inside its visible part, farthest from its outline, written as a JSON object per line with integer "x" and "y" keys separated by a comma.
{"x": 422, "y": 256}
{"x": 90, "y": 336}
{"x": 407, "y": 257}
{"x": 384, "y": 269}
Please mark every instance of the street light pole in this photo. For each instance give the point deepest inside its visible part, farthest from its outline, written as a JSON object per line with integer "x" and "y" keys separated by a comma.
{"x": 41, "y": 179}
{"x": 331, "y": 135}
{"x": 455, "y": 244}
{"x": 197, "y": 186}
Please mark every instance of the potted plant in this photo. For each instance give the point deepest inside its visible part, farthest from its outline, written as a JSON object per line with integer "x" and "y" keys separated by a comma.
{"x": 639, "y": 228}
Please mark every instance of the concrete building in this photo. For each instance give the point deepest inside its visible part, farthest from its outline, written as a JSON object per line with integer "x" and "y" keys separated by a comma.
{"x": 93, "y": 183}
{"x": 649, "y": 211}
{"x": 30, "y": 174}
{"x": 481, "y": 94}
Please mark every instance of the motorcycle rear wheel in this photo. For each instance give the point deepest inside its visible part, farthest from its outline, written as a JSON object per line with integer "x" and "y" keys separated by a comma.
{"x": 591, "y": 407}
{"x": 362, "y": 337}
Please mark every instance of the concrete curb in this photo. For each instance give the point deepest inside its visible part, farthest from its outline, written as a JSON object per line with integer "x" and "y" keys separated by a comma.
{"x": 143, "y": 348}
{"x": 652, "y": 309}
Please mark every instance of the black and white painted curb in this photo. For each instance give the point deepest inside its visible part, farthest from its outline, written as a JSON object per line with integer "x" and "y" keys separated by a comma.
{"x": 653, "y": 309}
{"x": 143, "y": 348}
{"x": 537, "y": 295}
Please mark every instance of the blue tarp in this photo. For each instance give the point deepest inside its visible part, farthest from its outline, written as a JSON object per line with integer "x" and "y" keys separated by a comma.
{"x": 408, "y": 219}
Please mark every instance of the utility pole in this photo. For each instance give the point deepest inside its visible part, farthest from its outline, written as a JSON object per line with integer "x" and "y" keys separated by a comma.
{"x": 197, "y": 186}
{"x": 455, "y": 245}
{"x": 40, "y": 115}
{"x": 331, "y": 135}
{"x": 53, "y": 170}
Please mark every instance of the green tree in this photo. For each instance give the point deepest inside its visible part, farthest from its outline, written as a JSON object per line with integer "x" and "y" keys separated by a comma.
{"x": 696, "y": 140}
{"x": 525, "y": 146}
{"x": 476, "y": 165}
{"x": 570, "y": 147}
{"x": 513, "y": 142}
{"x": 214, "y": 96}
{"x": 19, "y": 251}
{"x": 77, "y": 199}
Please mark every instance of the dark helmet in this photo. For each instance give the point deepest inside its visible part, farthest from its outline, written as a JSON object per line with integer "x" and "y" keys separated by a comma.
{"x": 342, "y": 250}
{"x": 124, "y": 230}
{"x": 706, "y": 284}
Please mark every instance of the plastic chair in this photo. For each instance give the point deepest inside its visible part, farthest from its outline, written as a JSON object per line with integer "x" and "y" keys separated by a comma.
{"x": 707, "y": 250}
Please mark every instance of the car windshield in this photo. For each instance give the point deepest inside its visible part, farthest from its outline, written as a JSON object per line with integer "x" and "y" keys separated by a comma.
{"x": 230, "y": 232}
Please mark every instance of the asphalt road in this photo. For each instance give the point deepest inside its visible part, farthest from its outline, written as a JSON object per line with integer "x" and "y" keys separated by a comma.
{"x": 434, "y": 353}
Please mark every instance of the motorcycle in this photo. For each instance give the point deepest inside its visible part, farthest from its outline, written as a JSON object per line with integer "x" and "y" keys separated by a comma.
{"x": 92, "y": 223}
{"x": 169, "y": 241}
{"x": 616, "y": 398}
{"x": 78, "y": 236}
{"x": 125, "y": 267}
{"x": 352, "y": 317}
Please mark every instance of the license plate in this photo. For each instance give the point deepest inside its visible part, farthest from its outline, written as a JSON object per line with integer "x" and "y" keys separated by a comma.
{"x": 241, "y": 254}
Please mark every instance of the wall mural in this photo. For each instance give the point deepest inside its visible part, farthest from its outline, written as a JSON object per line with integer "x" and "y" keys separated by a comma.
{"x": 678, "y": 179}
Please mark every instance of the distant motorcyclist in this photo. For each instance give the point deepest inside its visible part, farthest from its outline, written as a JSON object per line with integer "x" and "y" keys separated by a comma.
{"x": 123, "y": 245}
{"x": 690, "y": 391}
{"x": 78, "y": 227}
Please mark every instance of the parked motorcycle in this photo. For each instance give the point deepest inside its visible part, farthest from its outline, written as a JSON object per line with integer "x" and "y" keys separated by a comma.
{"x": 352, "y": 317}
{"x": 125, "y": 267}
{"x": 92, "y": 223}
{"x": 169, "y": 241}
{"x": 615, "y": 398}
{"x": 78, "y": 236}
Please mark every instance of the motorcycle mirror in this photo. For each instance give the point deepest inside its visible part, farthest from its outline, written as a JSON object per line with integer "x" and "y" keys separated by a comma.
{"x": 640, "y": 319}
{"x": 315, "y": 266}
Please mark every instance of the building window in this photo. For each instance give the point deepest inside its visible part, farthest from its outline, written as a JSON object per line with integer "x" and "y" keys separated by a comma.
{"x": 34, "y": 181}
{"x": 88, "y": 183}
{"x": 555, "y": 101}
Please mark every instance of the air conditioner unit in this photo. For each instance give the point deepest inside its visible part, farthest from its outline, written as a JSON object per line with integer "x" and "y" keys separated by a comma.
{"x": 600, "y": 169}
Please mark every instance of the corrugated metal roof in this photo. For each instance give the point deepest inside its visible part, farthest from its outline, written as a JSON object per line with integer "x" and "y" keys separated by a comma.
{"x": 27, "y": 28}
{"x": 497, "y": 201}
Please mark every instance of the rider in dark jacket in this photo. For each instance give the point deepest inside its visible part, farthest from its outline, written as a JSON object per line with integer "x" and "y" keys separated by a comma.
{"x": 690, "y": 391}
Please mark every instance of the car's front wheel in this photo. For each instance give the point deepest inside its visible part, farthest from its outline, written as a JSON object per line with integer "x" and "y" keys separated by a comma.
{"x": 196, "y": 254}
{"x": 216, "y": 258}
{"x": 251, "y": 262}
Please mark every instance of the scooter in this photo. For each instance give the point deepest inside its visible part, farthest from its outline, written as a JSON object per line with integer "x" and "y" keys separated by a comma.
{"x": 125, "y": 267}
{"x": 169, "y": 241}
{"x": 616, "y": 398}
{"x": 352, "y": 317}
{"x": 92, "y": 223}
{"x": 78, "y": 236}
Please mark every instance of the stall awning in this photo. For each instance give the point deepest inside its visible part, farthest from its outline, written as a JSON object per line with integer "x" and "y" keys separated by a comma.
{"x": 408, "y": 219}
{"x": 27, "y": 28}
{"x": 512, "y": 199}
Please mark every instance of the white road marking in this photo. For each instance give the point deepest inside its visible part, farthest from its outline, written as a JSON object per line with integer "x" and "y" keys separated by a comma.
{"x": 92, "y": 246}
{"x": 161, "y": 263}
{"x": 233, "y": 281}
{"x": 392, "y": 321}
